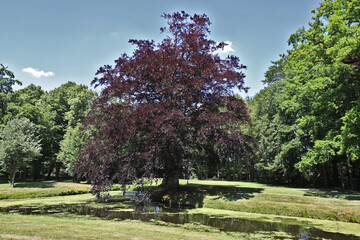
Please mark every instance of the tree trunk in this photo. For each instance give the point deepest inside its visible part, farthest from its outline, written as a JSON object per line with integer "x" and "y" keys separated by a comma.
{"x": 13, "y": 179}
{"x": 7, "y": 176}
{"x": 36, "y": 170}
{"x": 57, "y": 171}
{"x": 341, "y": 176}
{"x": 349, "y": 168}
{"x": 75, "y": 178}
{"x": 170, "y": 181}
{"x": 50, "y": 171}
{"x": 351, "y": 178}
{"x": 325, "y": 177}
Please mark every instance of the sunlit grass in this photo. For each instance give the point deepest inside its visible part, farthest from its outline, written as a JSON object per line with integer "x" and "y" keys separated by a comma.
{"x": 226, "y": 195}
{"x": 13, "y": 226}
{"x": 297, "y": 202}
{"x": 245, "y": 200}
{"x": 41, "y": 189}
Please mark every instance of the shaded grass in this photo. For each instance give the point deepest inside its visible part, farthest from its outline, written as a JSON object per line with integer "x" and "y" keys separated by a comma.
{"x": 45, "y": 184}
{"x": 42, "y": 189}
{"x": 333, "y": 193}
{"x": 194, "y": 195}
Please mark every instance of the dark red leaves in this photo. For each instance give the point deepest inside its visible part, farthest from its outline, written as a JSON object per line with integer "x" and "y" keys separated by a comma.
{"x": 162, "y": 105}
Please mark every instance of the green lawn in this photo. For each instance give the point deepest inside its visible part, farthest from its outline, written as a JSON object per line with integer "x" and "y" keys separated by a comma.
{"x": 41, "y": 189}
{"x": 13, "y": 226}
{"x": 298, "y": 202}
{"x": 326, "y": 209}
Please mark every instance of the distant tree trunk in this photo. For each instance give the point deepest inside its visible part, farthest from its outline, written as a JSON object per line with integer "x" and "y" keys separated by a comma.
{"x": 6, "y": 175}
{"x": 57, "y": 172}
{"x": 21, "y": 175}
{"x": 351, "y": 178}
{"x": 75, "y": 178}
{"x": 350, "y": 169}
{"x": 50, "y": 170}
{"x": 335, "y": 172}
{"x": 325, "y": 177}
{"x": 13, "y": 179}
{"x": 341, "y": 176}
{"x": 36, "y": 171}
{"x": 250, "y": 165}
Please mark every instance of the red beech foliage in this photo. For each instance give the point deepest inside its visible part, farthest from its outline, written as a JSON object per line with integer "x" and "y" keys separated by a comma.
{"x": 162, "y": 105}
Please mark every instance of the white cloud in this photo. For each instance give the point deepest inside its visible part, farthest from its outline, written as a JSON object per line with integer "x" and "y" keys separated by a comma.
{"x": 38, "y": 73}
{"x": 227, "y": 48}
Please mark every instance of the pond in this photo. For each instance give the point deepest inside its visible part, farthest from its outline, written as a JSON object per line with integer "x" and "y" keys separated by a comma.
{"x": 153, "y": 212}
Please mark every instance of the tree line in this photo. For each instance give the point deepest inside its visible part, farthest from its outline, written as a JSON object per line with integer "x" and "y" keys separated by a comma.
{"x": 40, "y": 131}
{"x": 307, "y": 118}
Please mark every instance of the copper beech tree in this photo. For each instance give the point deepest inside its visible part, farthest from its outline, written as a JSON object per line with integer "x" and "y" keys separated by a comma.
{"x": 163, "y": 105}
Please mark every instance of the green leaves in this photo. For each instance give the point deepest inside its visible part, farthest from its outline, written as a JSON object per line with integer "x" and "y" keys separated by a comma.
{"x": 350, "y": 133}
{"x": 320, "y": 91}
{"x": 70, "y": 146}
{"x": 53, "y": 114}
{"x": 321, "y": 84}
{"x": 7, "y": 80}
{"x": 18, "y": 145}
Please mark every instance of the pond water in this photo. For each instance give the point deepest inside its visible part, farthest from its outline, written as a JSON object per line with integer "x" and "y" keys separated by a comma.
{"x": 151, "y": 212}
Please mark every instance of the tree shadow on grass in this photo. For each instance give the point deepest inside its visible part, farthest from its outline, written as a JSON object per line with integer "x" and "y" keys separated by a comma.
{"x": 333, "y": 193}
{"x": 193, "y": 195}
{"x": 236, "y": 193}
{"x": 34, "y": 185}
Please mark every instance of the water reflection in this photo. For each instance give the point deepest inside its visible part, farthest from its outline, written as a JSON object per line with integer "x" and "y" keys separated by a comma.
{"x": 147, "y": 212}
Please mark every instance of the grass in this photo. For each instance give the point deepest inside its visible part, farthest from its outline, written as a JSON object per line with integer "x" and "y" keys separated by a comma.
{"x": 326, "y": 209}
{"x": 13, "y": 226}
{"x": 285, "y": 201}
{"x": 324, "y": 225}
{"x": 42, "y": 189}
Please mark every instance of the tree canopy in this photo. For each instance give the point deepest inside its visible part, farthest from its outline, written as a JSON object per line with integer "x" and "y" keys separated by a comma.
{"x": 7, "y": 80}
{"x": 315, "y": 88}
{"x": 55, "y": 115}
{"x": 162, "y": 106}
{"x": 18, "y": 144}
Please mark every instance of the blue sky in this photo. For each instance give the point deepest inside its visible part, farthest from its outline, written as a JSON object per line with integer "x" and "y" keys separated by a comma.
{"x": 50, "y": 42}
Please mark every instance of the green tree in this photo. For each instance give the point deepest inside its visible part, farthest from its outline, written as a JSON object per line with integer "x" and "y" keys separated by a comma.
{"x": 74, "y": 139}
{"x": 69, "y": 105}
{"x": 52, "y": 113}
{"x": 27, "y": 103}
{"x": 278, "y": 146}
{"x": 350, "y": 139}
{"x": 73, "y": 142}
{"x": 307, "y": 117}
{"x": 7, "y": 80}
{"x": 18, "y": 145}
{"x": 322, "y": 86}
